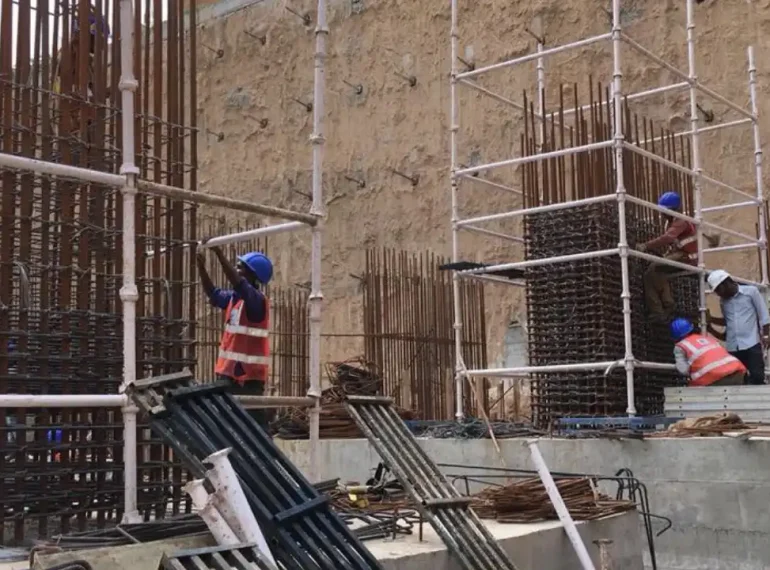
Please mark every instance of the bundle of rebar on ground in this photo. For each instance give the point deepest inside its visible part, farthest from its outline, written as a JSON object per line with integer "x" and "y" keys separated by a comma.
{"x": 714, "y": 425}
{"x": 471, "y": 428}
{"x": 527, "y": 501}
{"x": 335, "y": 423}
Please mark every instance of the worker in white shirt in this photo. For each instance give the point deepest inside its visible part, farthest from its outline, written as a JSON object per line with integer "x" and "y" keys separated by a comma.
{"x": 745, "y": 320}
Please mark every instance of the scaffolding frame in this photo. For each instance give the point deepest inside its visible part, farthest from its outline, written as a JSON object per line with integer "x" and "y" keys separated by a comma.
{"x": 130, "y": 185}
{"x": 617, "y": 38}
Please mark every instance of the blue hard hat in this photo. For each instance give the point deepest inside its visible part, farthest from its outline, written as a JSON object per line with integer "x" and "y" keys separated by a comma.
{"x": 54, "y": 436}
{"x": 259, "y": 264}
{"x": 680, "y": 328}
{"x": 670, "y": 200}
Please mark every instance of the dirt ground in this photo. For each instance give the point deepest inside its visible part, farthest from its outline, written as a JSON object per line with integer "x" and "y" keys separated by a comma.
{"x": 255, "y": 94}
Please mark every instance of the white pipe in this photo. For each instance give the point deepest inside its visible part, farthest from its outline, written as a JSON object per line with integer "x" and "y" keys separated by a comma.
{"x": 540, "y": 262}
{"x": 534, "y": 56}
{"x": 519, "y": 370}
{"x": 231, "y": 501}
{"x": 655, "y": 365}
{"x": 752, "y": 203}
{"x": 500, "y": 235}
{"x": 315, "y": 301}
{"x": 736, "y": 247}
{"x": 702, "y": 130}
{"x": 490, "y": 183}
{"x": 454, "y": 127}
{"x": 711, "y": 180}
{"x": 214, "y": 520}
{"x": 63, "y": 401}
{"x": 536, "y": 210}
{"x": 63, "y": 170}
{"x": 637, "y": 95}
{"x": 696, "y": 166}
{"x": 541, "y": 98}
{"x": 681, "y": 74}
{"x": 129, "y": 294}
{"x": 664, "y": 261}
{"x": 620, "y": 190}
{"x": 252, "y": 234}
{"x": 664, "y": 211}
{"x": 758, "y": 166}
{"x": 536, "y": 157}
{"x": 558, "y": 503}
{"x": 492, "y": 94}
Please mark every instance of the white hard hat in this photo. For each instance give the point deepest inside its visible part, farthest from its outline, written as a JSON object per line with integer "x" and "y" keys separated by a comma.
{"x": 717, "y": 277}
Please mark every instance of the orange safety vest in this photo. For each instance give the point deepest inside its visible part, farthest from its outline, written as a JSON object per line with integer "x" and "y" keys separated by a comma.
{"x": 246, "y": 343}
{"x": 687, "y": 242}
{"x": 708, "y": 359}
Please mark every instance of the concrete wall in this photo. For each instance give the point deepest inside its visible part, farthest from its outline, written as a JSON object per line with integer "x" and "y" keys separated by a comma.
{"x": 714, "y": 490}
{"x": 392, "y": 125}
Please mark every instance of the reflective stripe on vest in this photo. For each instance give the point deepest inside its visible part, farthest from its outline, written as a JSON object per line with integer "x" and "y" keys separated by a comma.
{"x": 248, "y": 331}
{"x": 244, "y": 352}
{"x": 244, "y": 358}
{"x": 708, "y": 360}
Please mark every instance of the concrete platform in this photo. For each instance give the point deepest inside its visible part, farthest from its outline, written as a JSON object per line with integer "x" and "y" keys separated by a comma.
{"x": 542, "y": 546}
{"x": 714, "y": 489}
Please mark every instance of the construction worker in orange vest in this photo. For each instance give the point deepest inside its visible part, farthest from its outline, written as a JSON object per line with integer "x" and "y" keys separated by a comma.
{"x": 244, "y": 351}
{"x": 703, "y": 359}
{"x": 678, "y": 243}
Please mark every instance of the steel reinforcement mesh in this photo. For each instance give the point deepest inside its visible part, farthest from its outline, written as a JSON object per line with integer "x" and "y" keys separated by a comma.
{"x": 575, "y": 315}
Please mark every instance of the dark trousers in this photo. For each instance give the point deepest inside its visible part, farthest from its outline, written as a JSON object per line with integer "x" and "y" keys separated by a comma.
{"x": 249, "y": 388}
{"x": 754, "y": 361}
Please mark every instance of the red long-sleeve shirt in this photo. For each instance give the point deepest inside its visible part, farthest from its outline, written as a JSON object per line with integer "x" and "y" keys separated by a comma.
{"x": 673, "y": 232}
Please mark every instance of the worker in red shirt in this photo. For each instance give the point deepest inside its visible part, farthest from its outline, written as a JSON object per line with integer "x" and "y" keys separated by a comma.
{"x": 678, "y": 243}
{"x": 244, "y": 351}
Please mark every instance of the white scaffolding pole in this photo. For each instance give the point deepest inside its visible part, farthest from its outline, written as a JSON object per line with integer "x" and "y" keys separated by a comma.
{"x": 315, "y": 301}
{"x": 129, "y": 293}
{"x": 758, "y": 167}
{"x": 696, "y": 168}
{"x": 619, "y": 139}
{"x": 454, "y": 127}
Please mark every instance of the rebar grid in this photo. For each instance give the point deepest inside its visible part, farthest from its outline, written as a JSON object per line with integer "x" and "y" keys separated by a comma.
{"x": 408, "y": 331}
{"x": 61, "y": 259}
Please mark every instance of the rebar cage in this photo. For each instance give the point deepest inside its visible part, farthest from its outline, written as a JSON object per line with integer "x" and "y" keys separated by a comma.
{"x": 590, "y": 175}
{"x": 98, "y": 153}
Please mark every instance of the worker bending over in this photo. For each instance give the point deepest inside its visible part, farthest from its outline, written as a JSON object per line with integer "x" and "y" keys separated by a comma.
{"x": 244, "y": 351}
{"x": 678, "y": 243}
{"x": 746, "y": 321}
{"x": 703, "y": 359}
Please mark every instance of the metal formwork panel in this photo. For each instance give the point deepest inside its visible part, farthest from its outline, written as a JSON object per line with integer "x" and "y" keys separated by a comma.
{"x": 750, "y": 403}
{"x": 466, "y": 537}
{"x": 197, "y": 420}
{"x": 243, "y": 557}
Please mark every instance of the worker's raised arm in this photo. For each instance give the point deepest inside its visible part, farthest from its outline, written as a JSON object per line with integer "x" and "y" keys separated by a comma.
{"x": 230, "y": 272}
{"x": 217, "y": 297}
{"x": 680, "y": 359}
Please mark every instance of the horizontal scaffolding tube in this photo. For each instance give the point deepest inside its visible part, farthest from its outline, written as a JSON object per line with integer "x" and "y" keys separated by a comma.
{"x": 492, "y": 233}
{"x": 701, "y": 130}
{"x": 120, "y": 400}
{"x": 490, "y": 183}
{"x": 250, "y": 402}
{"x": 523, "y": 370}
{"x": 731, "y": 247}
{"x": 63, "y": 401}
{"x": 534, "y": 56}
{"x": 663, "y": 261}
{"x": 537, "y": 210}
{"x": 251, "y": 234}
{"x": 638, "y": 95}
{"x": 665, "y": 211}
{"x": 726, "y": 186}
{"x": 536, "y": 157}
{"x": 63, "y": 170}
{"x": 682, "y": 75}
{"x": 147, "y": 187}
{"x": 540, "y": 262}
{"x": 156, "y": 189}
{"x": 653, "y": 365}
{"x": 498, "y": 280}
{"x": 752, "y": 203}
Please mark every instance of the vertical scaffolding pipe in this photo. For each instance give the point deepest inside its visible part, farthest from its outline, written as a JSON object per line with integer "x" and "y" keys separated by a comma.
{"x": 128, "y": 292}
{"x": 758, "y": 166}
{"x": 620, "y": 190}
{"x": 315, "y": 300}
{"x": 541, "y": 97}
{"x": 696, "y": 166}
{"x": 454, "y": 127}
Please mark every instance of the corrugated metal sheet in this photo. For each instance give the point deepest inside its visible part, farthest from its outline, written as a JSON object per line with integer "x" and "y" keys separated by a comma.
{"x": 751, "y": 403}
